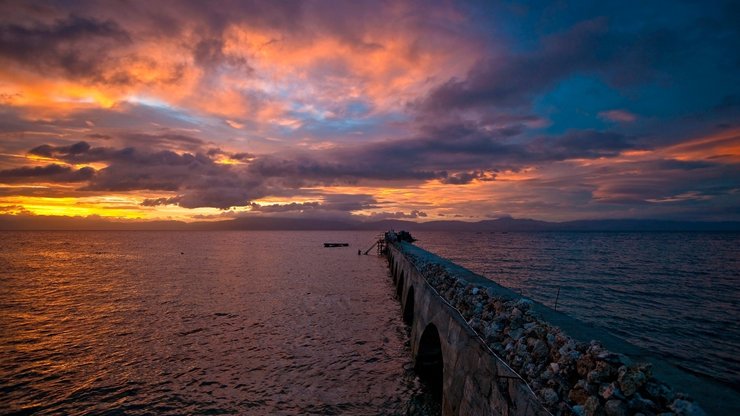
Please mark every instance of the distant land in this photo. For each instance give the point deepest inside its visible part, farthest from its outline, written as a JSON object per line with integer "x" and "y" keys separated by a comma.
{"x": 27, "y": 222}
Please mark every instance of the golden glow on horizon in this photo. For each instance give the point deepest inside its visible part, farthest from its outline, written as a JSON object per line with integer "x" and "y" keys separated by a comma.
{"x": 432, "y": 197}
{"x": 115, "y": 207}
{"x": 72, "y": 207}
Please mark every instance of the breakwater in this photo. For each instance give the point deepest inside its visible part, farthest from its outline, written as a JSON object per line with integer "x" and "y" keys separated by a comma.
{"x": 493, "y": 352}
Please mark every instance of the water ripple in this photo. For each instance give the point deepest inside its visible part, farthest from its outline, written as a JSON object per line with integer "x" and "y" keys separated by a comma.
{"x": 672, "y": 293}
{"x": 243, "y": 323}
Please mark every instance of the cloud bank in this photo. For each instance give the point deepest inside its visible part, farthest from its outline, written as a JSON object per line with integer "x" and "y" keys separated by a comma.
{"x": 381, "y": 110}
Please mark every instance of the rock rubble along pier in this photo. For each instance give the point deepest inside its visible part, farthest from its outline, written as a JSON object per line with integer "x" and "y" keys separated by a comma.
{"x": 484, "y": 350}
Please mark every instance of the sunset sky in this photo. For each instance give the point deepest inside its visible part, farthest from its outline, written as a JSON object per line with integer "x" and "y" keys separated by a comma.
{"x": 205, "y": 110}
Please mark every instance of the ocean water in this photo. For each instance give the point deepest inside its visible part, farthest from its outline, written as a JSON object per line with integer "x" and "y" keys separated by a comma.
{"x": 676, "y": 294}
{"x": 273, "y": 323}
{"x": 199, "y": 322}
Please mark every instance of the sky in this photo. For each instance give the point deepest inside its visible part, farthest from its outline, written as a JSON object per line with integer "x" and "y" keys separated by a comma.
{"x": 368, "y": 110}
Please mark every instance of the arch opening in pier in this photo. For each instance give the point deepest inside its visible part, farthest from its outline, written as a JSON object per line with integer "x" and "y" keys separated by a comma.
{"x": 429, "y": 362}
{"x": 408, "y": 308}
{"x": 399, "y": 289}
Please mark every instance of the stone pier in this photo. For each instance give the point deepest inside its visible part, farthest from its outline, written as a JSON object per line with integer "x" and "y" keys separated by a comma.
{"x": 452, "y": 357}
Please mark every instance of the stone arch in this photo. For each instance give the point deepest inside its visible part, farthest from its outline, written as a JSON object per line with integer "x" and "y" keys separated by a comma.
{"x": 399, "y": 288}
{"x": 429, "y": 364}
{"x": 408, "y": 307}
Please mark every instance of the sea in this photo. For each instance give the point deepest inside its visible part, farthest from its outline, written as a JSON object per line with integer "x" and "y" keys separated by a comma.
{"x": 675, "y": 294}
{"x": 139, "y": 322}
{"x": 256, "y": 322}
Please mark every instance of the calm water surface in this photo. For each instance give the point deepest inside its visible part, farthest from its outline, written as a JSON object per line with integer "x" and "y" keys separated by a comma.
{"x": 673, "y": 293}
{"x": 199, "y": 322}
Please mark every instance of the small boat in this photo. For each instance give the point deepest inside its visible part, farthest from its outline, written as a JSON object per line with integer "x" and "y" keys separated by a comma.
{"x": 336, "y": 244}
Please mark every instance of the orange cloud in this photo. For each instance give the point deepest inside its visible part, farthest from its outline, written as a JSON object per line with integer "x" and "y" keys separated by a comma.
{"x": 721, "y": 147}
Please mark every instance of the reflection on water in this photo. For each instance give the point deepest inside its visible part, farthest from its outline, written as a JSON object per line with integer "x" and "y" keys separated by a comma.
{"x": 179, "y": 322}
{"x": 674, "y": 293}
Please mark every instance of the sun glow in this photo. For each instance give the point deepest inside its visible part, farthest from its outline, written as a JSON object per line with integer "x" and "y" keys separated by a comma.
{"x": 74, "y": 207}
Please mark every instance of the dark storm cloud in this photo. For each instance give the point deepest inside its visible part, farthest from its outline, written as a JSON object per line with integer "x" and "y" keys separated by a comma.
{"x": 394, "y": 215}
{"x": 326, "y": 169}
{"x": 459, "y": 153}
{"x": 514, "y": 79}
{"x": 580, "y": 144}
{"x": 455, "y": 154}
{"x": 199, "y": 180}
{"x": 171, "y": 141}
{"x": 48, "y": 173}
{"x": 46, "y": 150}
{"x": 331, "y": 202}
{"x": 453, "y": 147}
{"x": 446, "y": 153}
{"x": 88, "y": 40}
{"x": 154, "y": 202}
{"x": 209, "y": 53}
{"x": 82, "y": 152}
{"x": 77, "y": 46}
{"x": 293, "y": 206}
{"x": 89, "y": 155}
{"x": 139, "y": 176}
{"x": 463, "y": 178}
{"x": 222, "y": 197}
{"x": 349, "y": 202}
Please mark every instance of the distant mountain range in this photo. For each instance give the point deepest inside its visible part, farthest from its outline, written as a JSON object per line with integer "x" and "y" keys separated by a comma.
{"x": 27, "y": 222}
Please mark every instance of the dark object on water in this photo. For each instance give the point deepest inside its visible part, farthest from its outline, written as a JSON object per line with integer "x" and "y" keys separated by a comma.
{"x": 359, "y": 252}
{"x": 336, "y": 244}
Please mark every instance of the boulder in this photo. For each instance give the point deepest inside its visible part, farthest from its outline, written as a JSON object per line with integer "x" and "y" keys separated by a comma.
{"x": 616, "y": 407}
{"x": 540, "y": 350}
{"x": 579, "y": 394}
{"x": 593, "y": 407}
{"x": 659, "y": 392}
{"x": 638, "y": 404}
{"x": 610, "y": 391}
{"x": 630, "y": 380}
{"x": 549, "y": 396}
